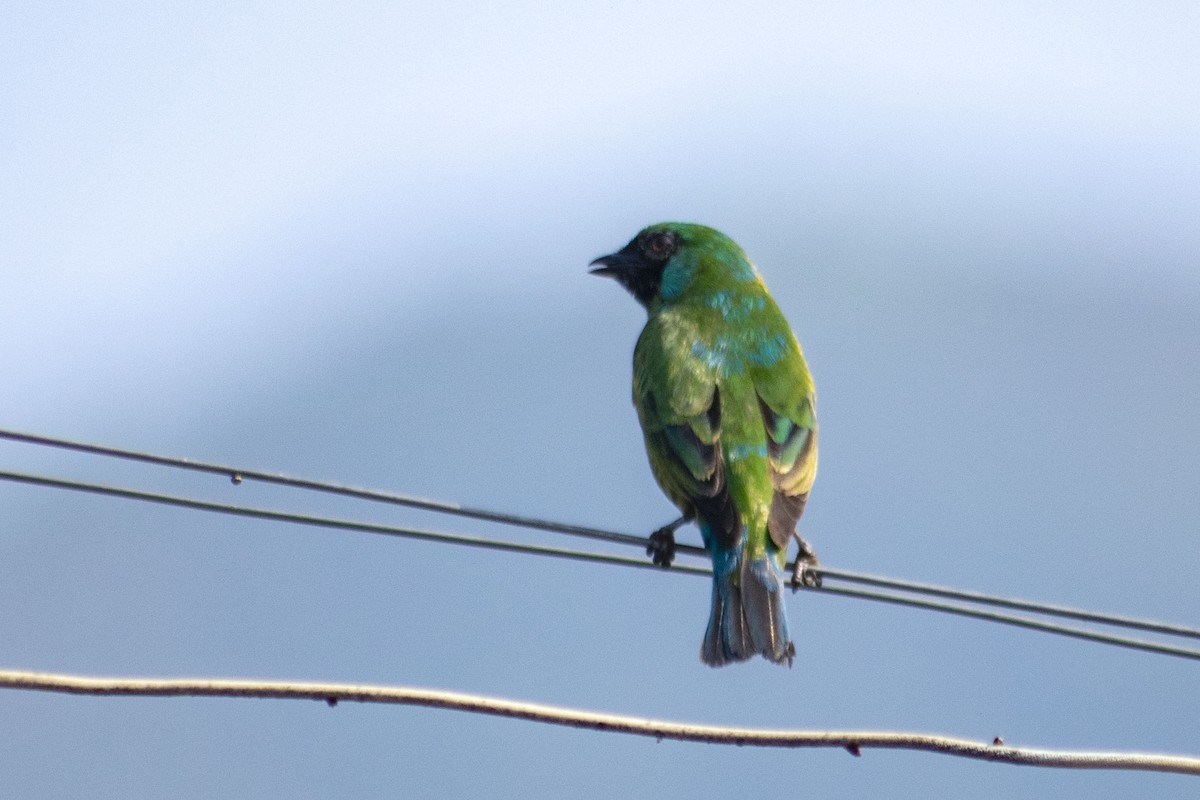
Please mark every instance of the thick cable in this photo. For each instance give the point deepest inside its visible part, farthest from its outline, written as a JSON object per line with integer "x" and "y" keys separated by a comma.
{"x": 853, "y": 742}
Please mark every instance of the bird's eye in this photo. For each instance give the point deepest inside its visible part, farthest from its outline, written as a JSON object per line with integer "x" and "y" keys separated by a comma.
{"x": 659, "y": 245}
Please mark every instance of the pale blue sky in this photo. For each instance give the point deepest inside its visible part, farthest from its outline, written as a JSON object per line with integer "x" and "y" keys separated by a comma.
{"x": 350, "y": 241}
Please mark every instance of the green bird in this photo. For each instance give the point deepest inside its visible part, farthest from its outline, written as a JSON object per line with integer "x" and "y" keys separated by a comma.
{"x": 728, "y": 411}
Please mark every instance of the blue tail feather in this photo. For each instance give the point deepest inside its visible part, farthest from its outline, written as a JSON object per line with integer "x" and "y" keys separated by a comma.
{"x": 748, "y": 615}
{"x": 766, "y": 615}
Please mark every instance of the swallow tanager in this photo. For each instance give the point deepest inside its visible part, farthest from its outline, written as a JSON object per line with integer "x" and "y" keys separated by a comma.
{"x": 728, "y": 412}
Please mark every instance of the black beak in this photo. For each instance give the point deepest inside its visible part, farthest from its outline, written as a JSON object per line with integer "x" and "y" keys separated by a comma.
{"x": 630, "y": 269}
{"x": 625, "y": 260}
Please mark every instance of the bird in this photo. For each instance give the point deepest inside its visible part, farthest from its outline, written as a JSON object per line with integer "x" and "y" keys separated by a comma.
{"x": 727, "y": 408}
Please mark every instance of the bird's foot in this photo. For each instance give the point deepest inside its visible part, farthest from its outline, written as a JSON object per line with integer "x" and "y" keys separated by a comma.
{"x": 662, "y": 545}
{"x": 805, "y": 575}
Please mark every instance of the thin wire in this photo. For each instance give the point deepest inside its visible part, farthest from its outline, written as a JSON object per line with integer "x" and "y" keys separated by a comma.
{"x": 238, "y": 474}
{"x": 1021, "y": 622}
{"x": 1084, "y": 615}
{"x": 330, "y": 522}
{"x": 854, "y": 742}
{"x": 494, "y": 544}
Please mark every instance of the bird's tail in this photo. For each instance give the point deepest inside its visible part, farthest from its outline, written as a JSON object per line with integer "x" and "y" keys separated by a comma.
{"x": 748, "y": 614}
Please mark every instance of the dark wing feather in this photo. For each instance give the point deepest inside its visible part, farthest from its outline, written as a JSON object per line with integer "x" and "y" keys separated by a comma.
{"x": 792, "y": 451}
{"x": 687, "y": 461}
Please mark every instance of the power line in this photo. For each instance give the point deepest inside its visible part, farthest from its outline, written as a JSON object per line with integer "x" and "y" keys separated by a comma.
{"x": 238, "y": 474}
{"x": 1084, "y": 615}
{"x": 330, "y": 522}
{"x": 853, "y": 742}
{"x": 605, "y": 558}
{"x": 1020, "y": 622}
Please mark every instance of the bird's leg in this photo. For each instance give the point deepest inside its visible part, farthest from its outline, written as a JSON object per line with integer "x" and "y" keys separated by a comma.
{"x": 806, "y": 559}
{"x": 662, "y": 543}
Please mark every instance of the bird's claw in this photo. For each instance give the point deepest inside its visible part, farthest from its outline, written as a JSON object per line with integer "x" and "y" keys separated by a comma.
{"x": 805, "y": 574}
{"x": 662, "y": 546}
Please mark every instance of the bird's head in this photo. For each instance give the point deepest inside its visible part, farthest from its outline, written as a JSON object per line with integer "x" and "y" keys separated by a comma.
{"x": 665, "y": 260}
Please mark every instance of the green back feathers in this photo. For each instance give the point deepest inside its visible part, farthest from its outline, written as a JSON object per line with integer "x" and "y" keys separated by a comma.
{"x": 714, "y": 332}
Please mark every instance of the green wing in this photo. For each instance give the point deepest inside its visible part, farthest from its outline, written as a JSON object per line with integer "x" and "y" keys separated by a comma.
{"x": 788, "y": 404}
{"x": 679, "y": 406}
